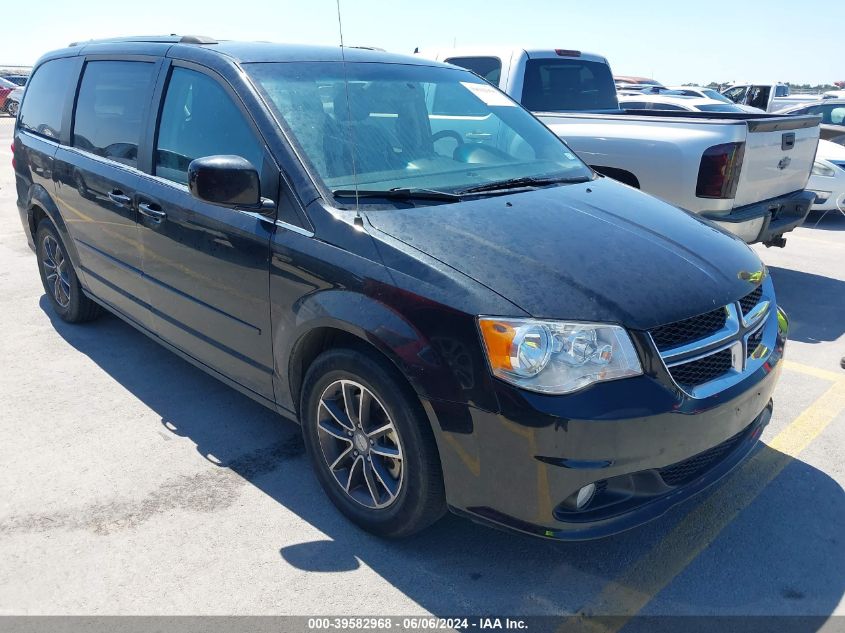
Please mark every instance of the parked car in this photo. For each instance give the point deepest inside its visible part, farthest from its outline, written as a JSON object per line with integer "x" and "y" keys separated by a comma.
{"x": 682, "y": 103}
{"x": 6, "y": 88}
{"x": 699, "y": 91}
{"x": 767, "y": 97}
{"x": 745, "y": 172}
{"x": 832, "y": 112}
{"x": 18, "y": 80}
{"x": 484, "y": 327}
{"x": 834, "y": 94}
{"x": 13, "y": 101}
{"x": 828, "y": 179}
{"x": 632, "y": 80}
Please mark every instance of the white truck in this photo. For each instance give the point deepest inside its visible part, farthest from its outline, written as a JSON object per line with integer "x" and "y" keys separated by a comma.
{"x": 767, "y": 97}
{"x": 747, "y": 172}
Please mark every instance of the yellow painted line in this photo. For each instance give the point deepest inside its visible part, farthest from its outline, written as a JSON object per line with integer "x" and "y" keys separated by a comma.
{"x": 634, "y": 588}
{"x": 824, "y": 374}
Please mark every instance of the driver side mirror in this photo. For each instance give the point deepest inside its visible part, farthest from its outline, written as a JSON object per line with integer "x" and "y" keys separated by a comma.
{"x": 229, "y": 181}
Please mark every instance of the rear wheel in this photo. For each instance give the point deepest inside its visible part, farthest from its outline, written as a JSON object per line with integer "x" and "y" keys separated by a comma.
{"x": 59, "y": 277}
{"x": 12, "y": 108}
{"x": 370, "y": 445}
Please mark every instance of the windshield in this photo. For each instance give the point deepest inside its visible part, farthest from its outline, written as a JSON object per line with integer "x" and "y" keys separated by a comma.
{"x": 397, "y": 126}
{"x": 712, "y": 94}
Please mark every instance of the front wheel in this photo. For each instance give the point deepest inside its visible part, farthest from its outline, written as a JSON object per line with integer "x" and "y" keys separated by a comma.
{"x": 370, "y": 445}
{"x": 12, "y": 108}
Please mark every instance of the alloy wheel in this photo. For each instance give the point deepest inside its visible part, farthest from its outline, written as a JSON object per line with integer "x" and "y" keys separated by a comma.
{"x": 56, "y": 271}
{"x": 360, "y": 444}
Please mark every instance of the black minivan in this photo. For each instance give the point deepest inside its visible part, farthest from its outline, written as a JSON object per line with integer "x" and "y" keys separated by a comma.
{"x": 459, "y": 320}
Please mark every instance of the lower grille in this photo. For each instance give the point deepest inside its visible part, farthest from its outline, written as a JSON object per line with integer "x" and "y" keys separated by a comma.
{"x": 698, "y": 372}
{"x": 692, "y": 468}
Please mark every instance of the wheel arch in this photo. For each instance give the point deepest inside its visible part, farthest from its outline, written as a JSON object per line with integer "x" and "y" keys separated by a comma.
{"x": 40, "y": 206}
{"x": 344, "y": 318}
{"x": 622, "y": 175}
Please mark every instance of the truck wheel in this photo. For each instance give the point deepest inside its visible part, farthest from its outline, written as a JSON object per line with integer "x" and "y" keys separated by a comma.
{"x": 370, "y": 445}
{"x": 59, "y": 277}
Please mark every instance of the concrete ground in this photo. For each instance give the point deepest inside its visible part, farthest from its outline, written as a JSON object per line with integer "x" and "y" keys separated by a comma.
{"x": 133, "y": 483}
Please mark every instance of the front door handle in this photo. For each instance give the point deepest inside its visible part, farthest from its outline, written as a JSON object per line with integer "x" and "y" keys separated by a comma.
{"x": 152, "y": 211}
{"x": 119, "y": 198}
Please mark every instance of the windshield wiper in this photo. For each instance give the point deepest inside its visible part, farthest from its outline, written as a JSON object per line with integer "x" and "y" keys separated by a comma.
{"x": 397, "y": 193}
{"x": 518, "y": 183}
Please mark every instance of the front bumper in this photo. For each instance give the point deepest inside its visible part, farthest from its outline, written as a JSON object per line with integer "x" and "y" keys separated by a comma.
{"x": 645, "y": 444}
{"x": 767, "y": 220}
{"x": 829, "y": 191}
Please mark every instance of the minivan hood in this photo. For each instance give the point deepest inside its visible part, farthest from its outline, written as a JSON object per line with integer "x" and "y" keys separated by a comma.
{"x": 596, "y": 251}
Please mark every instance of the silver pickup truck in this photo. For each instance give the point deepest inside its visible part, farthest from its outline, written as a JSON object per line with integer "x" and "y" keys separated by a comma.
{"x": 747, "y": 172}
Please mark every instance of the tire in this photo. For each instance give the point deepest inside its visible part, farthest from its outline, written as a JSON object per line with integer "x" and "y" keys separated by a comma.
{"x": 59, "y": 277}
{"x": 401, "y": 496}
{"x": 12, "y": 108}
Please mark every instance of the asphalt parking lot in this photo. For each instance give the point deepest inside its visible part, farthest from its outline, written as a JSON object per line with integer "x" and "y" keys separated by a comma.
{"x": 133, "y": 483}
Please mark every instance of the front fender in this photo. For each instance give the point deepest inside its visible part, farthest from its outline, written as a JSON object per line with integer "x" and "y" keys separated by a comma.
{"x": 433, "y": 346}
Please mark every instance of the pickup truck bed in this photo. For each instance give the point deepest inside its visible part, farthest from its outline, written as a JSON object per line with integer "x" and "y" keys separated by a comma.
{"x": 777, "y": 157}
{"x": 745, "y": 171}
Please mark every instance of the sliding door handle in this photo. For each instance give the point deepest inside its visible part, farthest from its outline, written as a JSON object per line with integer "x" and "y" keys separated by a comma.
{"x": 119, "y": 198}
{"x": 152, "y": 211}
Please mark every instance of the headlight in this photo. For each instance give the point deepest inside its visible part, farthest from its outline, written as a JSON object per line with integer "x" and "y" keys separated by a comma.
{"x": 557, "y": 356}
{"x": 820, "y": 169}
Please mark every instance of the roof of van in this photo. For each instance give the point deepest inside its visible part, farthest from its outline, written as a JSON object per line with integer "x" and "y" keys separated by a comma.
{"x": 245, "y": 52}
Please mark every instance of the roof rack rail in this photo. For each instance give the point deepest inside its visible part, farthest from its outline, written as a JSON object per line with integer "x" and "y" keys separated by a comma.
{"x": 164, "y": 39}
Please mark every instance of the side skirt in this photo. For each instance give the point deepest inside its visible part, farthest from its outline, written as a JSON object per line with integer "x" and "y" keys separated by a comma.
{"x": 290, "y": 415}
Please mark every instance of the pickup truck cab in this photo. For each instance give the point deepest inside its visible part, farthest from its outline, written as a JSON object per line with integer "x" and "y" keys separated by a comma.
{"x": 767, "y": 97}
{"x": 453, "y": 325}
{"x": 746, "y": 172}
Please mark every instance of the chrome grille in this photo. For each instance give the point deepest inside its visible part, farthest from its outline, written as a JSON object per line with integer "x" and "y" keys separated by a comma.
{"x": 702, "y": 370}
{"x": 753, "y": 342}
{"x": 751, "y": 300}
{"x": 681, "y": 332}
{"x": 707, "y": 353}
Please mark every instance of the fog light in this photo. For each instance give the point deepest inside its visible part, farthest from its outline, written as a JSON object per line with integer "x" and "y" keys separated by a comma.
{"x": 585, "y": 495}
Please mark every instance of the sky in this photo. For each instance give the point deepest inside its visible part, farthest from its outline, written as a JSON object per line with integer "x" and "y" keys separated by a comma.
{"x": 680, "y": 42}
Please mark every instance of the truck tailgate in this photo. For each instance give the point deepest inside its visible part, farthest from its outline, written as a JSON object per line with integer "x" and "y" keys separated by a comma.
{"x": 779, "y": 154}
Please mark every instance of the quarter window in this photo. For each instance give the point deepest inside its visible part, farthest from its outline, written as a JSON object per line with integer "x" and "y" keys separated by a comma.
{"x": 110, "y": 109}
{"x": 46, "y": 97}
{"x": 488, "y": 67}
{"x": 200, "y": 119}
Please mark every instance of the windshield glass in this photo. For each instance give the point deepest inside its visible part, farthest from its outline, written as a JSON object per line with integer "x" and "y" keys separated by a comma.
{"x": 409, "y": 127}
{"x": 712, "y": 94}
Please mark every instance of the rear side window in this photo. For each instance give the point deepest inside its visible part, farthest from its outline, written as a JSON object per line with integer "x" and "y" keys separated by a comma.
{"x": 200, "y": 119}
{"x": 46, "y": 97}
{"x": 488, "y": 67}
{"x": 110, "y": 108}
{"x": 560, "y": 85}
